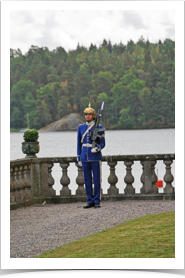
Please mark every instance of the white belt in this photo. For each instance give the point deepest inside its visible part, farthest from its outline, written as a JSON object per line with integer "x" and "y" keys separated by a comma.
{"x": 87, "y": 145}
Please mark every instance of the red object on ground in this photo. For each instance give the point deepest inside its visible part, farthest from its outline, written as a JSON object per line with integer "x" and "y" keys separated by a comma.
{"x": 159, "y": 183}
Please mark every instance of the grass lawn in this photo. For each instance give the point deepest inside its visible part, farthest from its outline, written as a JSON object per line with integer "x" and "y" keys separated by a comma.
{"x": 151, "y": 236}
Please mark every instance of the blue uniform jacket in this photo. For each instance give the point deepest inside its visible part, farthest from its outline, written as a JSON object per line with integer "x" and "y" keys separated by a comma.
{"x": 84, "y": 153}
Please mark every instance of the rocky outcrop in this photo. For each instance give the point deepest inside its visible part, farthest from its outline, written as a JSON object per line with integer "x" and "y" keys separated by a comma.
{"x": 67, "y": 123}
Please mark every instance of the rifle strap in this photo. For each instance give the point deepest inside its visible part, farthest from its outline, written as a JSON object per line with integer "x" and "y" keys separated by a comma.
{"x": 87, "y": 131}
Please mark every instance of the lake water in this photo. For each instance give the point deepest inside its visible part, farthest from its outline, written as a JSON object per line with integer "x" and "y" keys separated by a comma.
{"x": 118, "y": 142}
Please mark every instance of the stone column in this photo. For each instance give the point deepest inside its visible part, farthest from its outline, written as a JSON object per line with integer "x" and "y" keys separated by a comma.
{"x": 80, "y": 181}
{"x": 129, "y": 179}
{"x": 168, "y": 177}
{"x": 112, "y": 179}
{"x": 65, "y": 181}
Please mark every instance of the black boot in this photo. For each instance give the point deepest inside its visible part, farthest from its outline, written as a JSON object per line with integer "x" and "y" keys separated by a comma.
{"x": 88, "y": 206}
{"x": 97, "y": 206}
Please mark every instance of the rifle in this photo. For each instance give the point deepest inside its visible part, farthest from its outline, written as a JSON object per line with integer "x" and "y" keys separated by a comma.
{"x": 96, "y": 130}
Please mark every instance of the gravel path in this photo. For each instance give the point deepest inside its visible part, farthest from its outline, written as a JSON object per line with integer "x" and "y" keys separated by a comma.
{"x": 37, "y": 229}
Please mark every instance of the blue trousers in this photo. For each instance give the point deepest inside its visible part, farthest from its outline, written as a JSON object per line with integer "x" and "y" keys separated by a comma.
{"x": 89, "y": 169}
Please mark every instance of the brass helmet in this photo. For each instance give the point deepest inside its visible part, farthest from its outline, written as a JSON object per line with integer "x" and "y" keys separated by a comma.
{"x": 89, "y": 110}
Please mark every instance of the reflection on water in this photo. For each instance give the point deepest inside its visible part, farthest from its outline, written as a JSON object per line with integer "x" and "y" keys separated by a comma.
{"x": 118, "y": 142}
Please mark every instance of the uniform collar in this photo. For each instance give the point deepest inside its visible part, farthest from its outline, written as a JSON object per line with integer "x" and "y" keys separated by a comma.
{"x": 90, "y": 123}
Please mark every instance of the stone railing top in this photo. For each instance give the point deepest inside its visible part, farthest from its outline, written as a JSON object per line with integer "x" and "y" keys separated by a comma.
{"x": 109, "y": 158}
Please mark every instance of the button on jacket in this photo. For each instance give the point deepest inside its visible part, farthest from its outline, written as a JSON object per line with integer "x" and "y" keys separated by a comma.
{"x": 84, "y": 152}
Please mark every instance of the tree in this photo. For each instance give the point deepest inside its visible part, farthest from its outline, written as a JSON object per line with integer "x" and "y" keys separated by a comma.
{"x": 128, "y": 77}
{"x": 145, "y": 99}
{"x": 46, "y": 94}
{"x": 102, "y": 97}
{"x": 42, "y": 72}
{"x": 22, "y": 101}
{"x": 154, "y": 53}
{"x": 62, "y": 107}
{"x": 12, "y": 53}
{"x": 16, "y": 118}
{"x": 17, "y": 53}
{"x": 102, "y": 82}
{"x": 130, "y": 46}
{"x": 96, "y": 66}
{"x": 92, "y": 47}
{"x": 84, "y": 69}
{"x": 126, "y": 120}
{"x": 52, "y": 78}
{"x": 104, "y": 43}
{"x": 141, "y": 42}
{"x": 43, "y": 116}
{"x": 147, "y": 56}
{"x": 109, "y": 46}
{"x": 140, "y": 76}
{"x": 61, "y": 53}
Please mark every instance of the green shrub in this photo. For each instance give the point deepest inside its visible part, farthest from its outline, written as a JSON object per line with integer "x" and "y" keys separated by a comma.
{"x": 31, "y": 135}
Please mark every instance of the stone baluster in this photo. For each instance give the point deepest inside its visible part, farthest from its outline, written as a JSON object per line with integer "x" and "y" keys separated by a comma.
{"x": 129, "y": 179}
{"x": 80, "y": 181}
{"x": 168, "y": 177}
{"x": 148, "y": 177}
{"x": 112, "y": 179}
{"x": 65, "y": 181}
{"x": 51, "y": 180}
{"x": 142, "y": 179}
{"x": 154, "y": 177}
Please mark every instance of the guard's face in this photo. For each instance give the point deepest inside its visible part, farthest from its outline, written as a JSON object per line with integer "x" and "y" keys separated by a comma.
{"x": 89, "y": 117}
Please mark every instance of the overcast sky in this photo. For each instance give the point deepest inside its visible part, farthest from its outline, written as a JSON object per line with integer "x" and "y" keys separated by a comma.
{"x": 68, "y": 28}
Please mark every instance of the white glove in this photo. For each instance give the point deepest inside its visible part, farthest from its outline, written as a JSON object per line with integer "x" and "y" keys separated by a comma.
{"x": 94, "y": 150}
{"x": 80, "y": 163}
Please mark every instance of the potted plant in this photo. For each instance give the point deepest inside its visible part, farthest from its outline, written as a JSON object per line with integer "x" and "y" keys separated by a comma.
{"x": 30, "y": 146}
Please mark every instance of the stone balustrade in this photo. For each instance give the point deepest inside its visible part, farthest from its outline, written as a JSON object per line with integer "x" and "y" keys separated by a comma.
{"x": 31, "y": 180}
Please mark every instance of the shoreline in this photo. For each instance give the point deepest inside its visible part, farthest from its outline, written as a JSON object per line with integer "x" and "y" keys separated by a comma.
{"x": 112, "y": 129}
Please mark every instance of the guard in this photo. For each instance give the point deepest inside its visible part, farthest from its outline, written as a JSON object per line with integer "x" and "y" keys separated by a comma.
{"x": 91, "y": 158}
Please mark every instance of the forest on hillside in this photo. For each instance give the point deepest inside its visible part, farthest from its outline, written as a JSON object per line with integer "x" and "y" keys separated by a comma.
{"x": 136, "y": 81}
